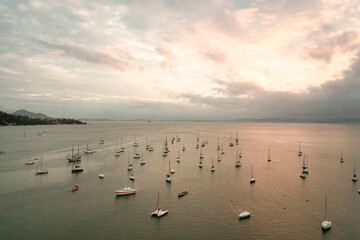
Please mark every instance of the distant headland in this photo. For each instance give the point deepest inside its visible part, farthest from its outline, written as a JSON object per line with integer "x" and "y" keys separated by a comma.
{"x": 23, "y": 117}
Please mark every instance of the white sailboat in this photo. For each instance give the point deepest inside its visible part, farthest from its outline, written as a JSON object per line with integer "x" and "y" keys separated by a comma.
{"x": 212, "y": 165}
{"x": 130, "y": 166}
{"x": 300, "y": 152}
{"x": 200, "y": 163}
{"x": 158, "y": 211}
{"x": 219, "y": 158}
{"x": 42, "y": 171}
{"x": 101, "y": 141}
{"x": 201, "y": 155}
{"x": 354, "y": 178}
{"x": 136, "y": 154}
{"x": 135, "y": 144}
{"x": 269, "y": 157}
{"x": 178, "y": 157}
{"x": 237, "y": 162}
{"x": 132, "y": 178}
{"x": 142, "y": 162}
{"x": 117, "y": 152}
{"x": 326, "y": 224}
{"x": 231, "y": 144}
{"x": 222, "y": 149}
{"x": 237, "y": 139}
{"x": 218, "y": 146}
{"x": 252, "y": 178}
{"x": 183, "y": 148}
{"x": 29, "y": 162}
{"x": 88, "y": 150}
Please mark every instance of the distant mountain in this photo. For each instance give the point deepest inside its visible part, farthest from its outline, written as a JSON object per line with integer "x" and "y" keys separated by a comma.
{"x": 11, "y": 120}
{"x": 23, "y": 112}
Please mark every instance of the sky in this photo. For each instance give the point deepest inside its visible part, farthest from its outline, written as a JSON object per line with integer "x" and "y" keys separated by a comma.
{"x": 182, "y": 60}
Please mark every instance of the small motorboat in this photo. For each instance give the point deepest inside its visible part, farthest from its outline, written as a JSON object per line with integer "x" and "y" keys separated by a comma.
{"x": 142, "y": 162}
{"x": 219, "y": 159}
{"x": 125, "y": 191}
{"x": 183, "y": 193}
{"x": 29, "y": 162}
{"x": 172, "y": 171}
{"x": 132, "y": 178}
{"x": 76, "y": 187}
{"x": 77, "y": 169}
{"x": 244, "y": 215}
{"x": 101, "y": 175}
{"x": 237, "y": 164}
{"x": 151, "y": 149}
{"x": 302, "y": 175}
{"x": 359, "y": 190}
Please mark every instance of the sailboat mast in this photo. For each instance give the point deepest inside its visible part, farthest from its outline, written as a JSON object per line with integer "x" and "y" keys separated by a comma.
{"x": 325, "y": 207}
{"x": 157, "y": 202}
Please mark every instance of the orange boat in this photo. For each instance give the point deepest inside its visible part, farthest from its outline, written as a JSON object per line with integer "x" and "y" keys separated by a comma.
{"x": 76, "y": 187}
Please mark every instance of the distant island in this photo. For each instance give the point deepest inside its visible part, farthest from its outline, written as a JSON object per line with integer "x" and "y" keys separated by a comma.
{"x": 23, "y": 117}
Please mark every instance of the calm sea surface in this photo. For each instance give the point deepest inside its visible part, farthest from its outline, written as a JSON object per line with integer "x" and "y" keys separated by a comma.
{"x": 282, "y": 205}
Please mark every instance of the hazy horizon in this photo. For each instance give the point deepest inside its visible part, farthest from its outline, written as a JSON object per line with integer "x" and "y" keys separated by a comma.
{"x": 182, "y": 60}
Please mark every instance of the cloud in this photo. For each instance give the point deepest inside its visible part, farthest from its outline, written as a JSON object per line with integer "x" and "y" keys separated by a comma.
{"x": 167, "y": 54}
{"x": 88, "y": 55}
{"x": 214, "y": 54}
{"x": 337, "y": 43}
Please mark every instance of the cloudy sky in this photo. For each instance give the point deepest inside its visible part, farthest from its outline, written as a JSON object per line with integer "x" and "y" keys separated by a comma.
{"x": 178, "y": 59}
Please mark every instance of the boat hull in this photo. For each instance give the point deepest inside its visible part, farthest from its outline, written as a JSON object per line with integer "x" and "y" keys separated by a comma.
{"x": 244, "y": 215}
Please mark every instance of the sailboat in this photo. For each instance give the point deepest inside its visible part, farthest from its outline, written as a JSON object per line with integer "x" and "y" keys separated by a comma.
{"x": 74, "y": 158}
{"x": 147, "y": 144}
{"x": 212, "y": 165}
{"x": 269, "y": 158}
{"x": 132, "y": 178}
{"x": 135, "y": 144}
{"x": 165, "y": 152}
{"x": 172, "y": 171}
{"x": 300, "y": 152}
{"x": 158, "y": 211}
{"x": 183, "y": 148}
{"x": 178, "y": 157}
{"x": 130, "y": 166}
{"x": 237, "y": 162}
{"x": 219, "y": 158}
{"x": 122, "y": 149}
{"x": 237, "y": 139}
{"x": 222, "y": 149}
{"x": 136, "y": 154}
{"x": 142, "y": 159}
{"x": 354, "y": 179}
{"x": 201, "y": 155}
{"x": 231, "y": 144}
{"x": 42, "y": 171}
{"x": 117, "y": 152}
{"x": 326, "y": 224}
{"x": 252, "y": 179}
{"x": 178, "y": 139}
{"x": 88, "y": 151}
{"x": 218, "y": 146}
{"x": 200, "y": 163}
{"x": 29, "y": 162}
{"x": 240, "y": 154}
{"x": 305, "y": 167}
{"x": 168, "y": 178}
{"x": 341, "y": 157}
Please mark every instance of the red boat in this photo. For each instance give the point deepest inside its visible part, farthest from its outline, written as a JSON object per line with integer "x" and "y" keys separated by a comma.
{"x": 76, "y": 187}
{"x": 183, "y": 193}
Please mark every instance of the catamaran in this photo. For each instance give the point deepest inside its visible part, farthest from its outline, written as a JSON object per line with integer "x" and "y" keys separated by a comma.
{"x": 158, "y": 211}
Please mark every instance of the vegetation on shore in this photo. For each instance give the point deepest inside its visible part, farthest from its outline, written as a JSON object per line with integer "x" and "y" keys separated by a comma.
{"x": 11, "y": 120}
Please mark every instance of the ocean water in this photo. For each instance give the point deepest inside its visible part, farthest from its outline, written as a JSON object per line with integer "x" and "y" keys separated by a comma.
{"x": 282, "y": 205}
